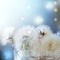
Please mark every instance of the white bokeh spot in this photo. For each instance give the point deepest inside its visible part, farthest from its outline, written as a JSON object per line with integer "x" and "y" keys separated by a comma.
{"x": 38, "y": 20}
{"x": 49, "y": 5}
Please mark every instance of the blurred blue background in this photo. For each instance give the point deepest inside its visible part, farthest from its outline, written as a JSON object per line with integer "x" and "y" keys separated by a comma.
{"x": 18, "y": 13}
{"x": 7, "y": 52}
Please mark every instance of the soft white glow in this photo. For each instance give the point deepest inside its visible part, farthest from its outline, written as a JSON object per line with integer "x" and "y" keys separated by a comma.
{"x": 55, "y": 19}
{"x": 55, "y": 9}
{"x": 55, "y": 2}
{"x": 13, "y": 10}
{"x": 8, "y": 31}
{"x": 22, "y": 18}
{"x": 28, "y": 7}
{"x": 29, "y": 32}
{"x": 49, "y": 5}
{"x": 38, "y": 20}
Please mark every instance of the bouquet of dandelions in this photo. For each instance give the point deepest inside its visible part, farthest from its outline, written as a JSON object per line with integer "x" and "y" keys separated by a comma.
{"x": 36, "y": 44}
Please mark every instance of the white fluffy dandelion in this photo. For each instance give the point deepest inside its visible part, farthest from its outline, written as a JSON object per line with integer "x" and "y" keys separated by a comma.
{"x": 7, "y": 35}
{"x": 35, "y": 45}
{"x": 50, "y": 45}
{"x": 35, "y": 42}
{"x": 35, "y": 48}
{"x": 44, "y": 30}
{"x": 23, "y": 37}
{"x": 40, "y": 33}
